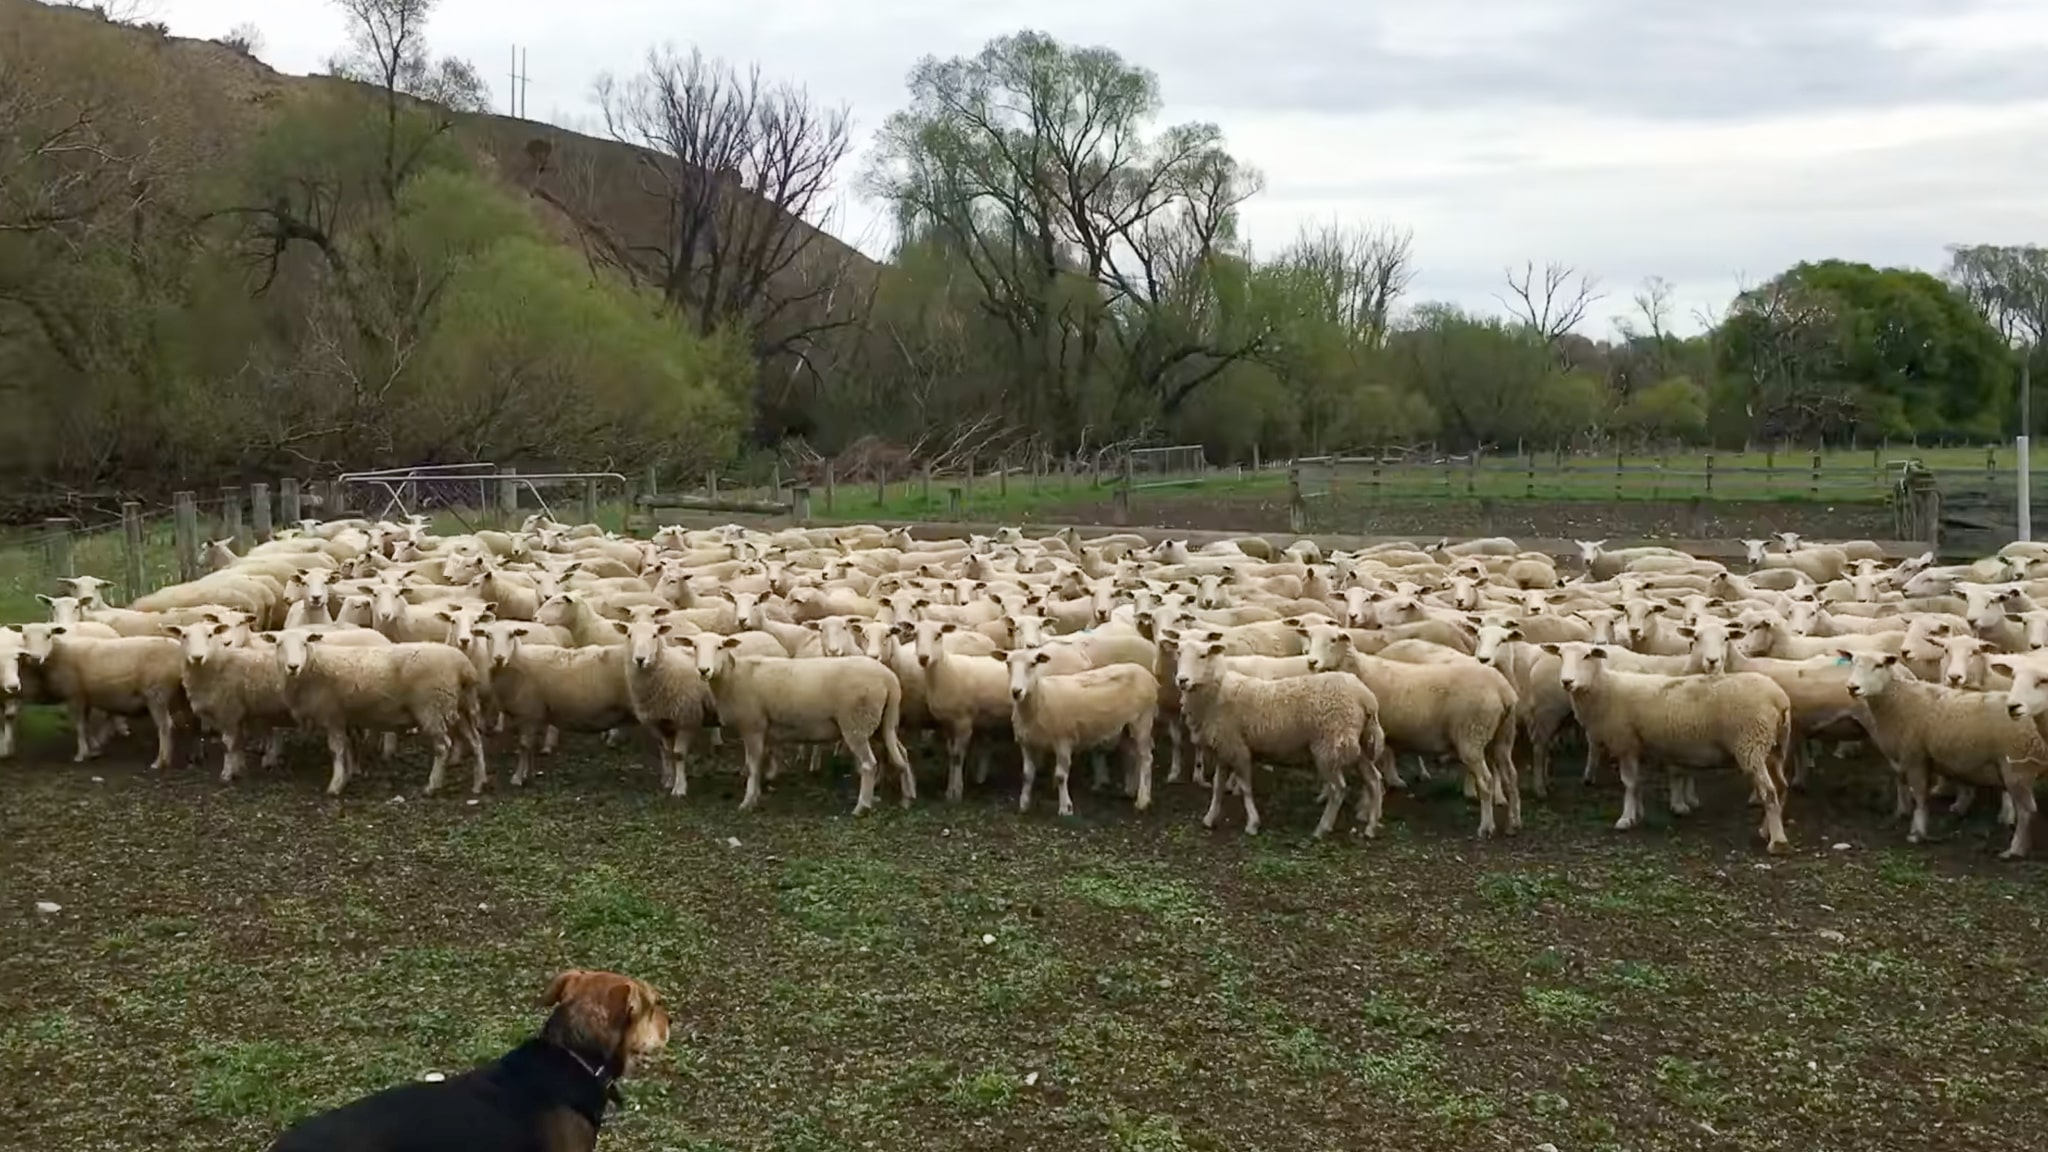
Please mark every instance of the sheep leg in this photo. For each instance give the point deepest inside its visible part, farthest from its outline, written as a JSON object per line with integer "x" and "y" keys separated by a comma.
{"x": 1966, "y": 795}
{"x": 444, "y": 749}
{"x": 1631, "y": 792}
{"x": 1099, "y": 775}
{"x": 1329, "y": 768}
{"x": 342, "y": 751}
{"x": 1216, "y": 785}
{"x": 1030, "y": 766}
{"x": 1902, "y": 796}
{"x": 390, "y": 750}
{"x": 1062, "y": 767}
{"x": 554, "y": 738}
{"x": 2019, "y": 789}
{"x": 864, "y": 755}
{"x": 678, "y": 748}
{"x": 612, "y": 737}
{"x": 9, "y": 711}
{"x": 1239, "y": 770}
{"x": 1507, "y": 780}
{"x": 664, "y": 749}
{"x": 81, "y": 725}
{"x": 231, "y": 752}
{"x": 2006, "y": 812}
{"x": 166, "y": 734}
{"x": 957, "y": 738}
{"x": 1484, "y": 789}
{"x": 1679, "y": 807}
{"x": 1915, "y": 770}
{"x": 1176, "y": 771}
{"x": 530, "y": 738}
{"x": 1141, "y": 764}
{"x": 472, "y": 731}
{"x": 1592, "y": 773}
{"x": 1371, "y": 798}
{"x": 1692, "y": 791}
{"x": 756, "y": 745}
{"x": 273, "y": 749}
{"x": 1774, "y": 804}
{"x": 1539, "y": 761}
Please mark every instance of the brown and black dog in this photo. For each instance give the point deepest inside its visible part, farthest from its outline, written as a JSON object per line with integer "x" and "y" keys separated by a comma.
{"x": 547, "y": 1095}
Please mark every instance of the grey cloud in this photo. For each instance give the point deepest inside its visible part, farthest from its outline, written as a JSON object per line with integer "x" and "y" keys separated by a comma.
{"x": 1732, "y": 60}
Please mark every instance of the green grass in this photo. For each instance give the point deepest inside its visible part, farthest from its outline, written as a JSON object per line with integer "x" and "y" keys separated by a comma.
{"x": 956, "y": 976}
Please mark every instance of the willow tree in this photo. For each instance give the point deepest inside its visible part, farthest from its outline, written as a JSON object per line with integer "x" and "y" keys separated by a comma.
{"x": 1106, "y": 251}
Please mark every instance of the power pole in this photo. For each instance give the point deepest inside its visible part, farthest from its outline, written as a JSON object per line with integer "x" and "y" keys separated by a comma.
{"x": 515, "y": 96}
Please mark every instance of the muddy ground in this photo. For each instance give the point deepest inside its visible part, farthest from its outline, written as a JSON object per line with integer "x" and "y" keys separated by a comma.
{"x": 962, "y": 977}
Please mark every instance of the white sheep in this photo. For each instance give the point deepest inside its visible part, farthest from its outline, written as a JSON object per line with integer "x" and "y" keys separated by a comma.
{"x": 235, "y": 692}
{"x": 1328, "y": 719}
{"x": 1685, "y": 721}
{"x": 122, "y": 676}
{"x": 1974, "y": 737}
{"x": 962, "y": 693}
{"x": 848, "y": 698}
{"x": 387, "y": 688}
{"x": 1082, "y": 711}
{"x": 668, "y": 697}
{"x": 541, "y": 687}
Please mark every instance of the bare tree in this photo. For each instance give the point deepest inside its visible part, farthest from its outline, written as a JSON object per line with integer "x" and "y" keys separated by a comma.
{"x": 742, "y": 171}
{"x": 1356, "y": 273}
{"x": 2008, "y": 285}
{"x": 1550, "y": 303}
{"x": 388, "y": 50}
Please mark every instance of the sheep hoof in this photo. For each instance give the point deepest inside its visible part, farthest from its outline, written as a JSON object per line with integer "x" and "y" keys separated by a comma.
{"x": 1777, "y": 848}
{"x": 2012, "y": 854}
{"x": 1624, "y": 824}
{"x": 227, "y": 777}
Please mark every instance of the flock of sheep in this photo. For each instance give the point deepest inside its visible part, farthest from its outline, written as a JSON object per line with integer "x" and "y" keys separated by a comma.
{"x": 1235, "y": 653}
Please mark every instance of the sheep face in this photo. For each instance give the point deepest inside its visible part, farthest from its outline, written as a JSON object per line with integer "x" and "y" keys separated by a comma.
{"x": 500, "y": 642}
{"x": 715, "y": 653}
{"x": 86, "y": 588}
{"x": 1329, "y": 649}
{"x": 38, "y": 639}
{"x": 198, "y": 642}
{"x": 1027, "y": 667}
{"x": 1870, "y": 673}
{"x": 2029, "y": 693}
{"x": 463, "y": 619}
{"x": 929, "y": 640}
{"x": 1579, "y": 663}
{"x": 645, "y": 640}
{"x": 1493, "y": 640}
{"x": 1753, "y": 551}
{"x": 63, "y": 609}
{"x": 1197, "y": 664}
{"x": 10, "y": 671}
{"x": 293, "y": 649}
{"x": 1712, "y": 642}
{"x": 1962, "y": 661}
{"x": 312, "y": 585}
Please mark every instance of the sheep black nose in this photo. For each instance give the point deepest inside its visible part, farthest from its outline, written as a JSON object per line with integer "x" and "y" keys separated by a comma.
{"x": 2014, "y": 710}
{"x": 1016, "y": 693}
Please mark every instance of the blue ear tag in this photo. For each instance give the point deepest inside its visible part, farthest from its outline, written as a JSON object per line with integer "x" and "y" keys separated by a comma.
{"x": 1841, "y": 660}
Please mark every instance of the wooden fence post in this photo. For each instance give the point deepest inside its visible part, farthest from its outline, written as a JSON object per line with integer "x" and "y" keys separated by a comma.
{"x": 1991, "y": 468}
{"x": 1003, "y": 478}
{"x": 288, "y": 496}
{"x": 1297, "y": 509}
{"x": 131, "y": 547}
{"x": 231, "y": 516}
{"x": 953, "y": 502}
{"x": 711, "y": 483}
{"x": 259, "y": 511}
{"x": 1529, "y": 476}
{"x": 1120, "y": 506}
{"x": 970, "y": 479}
{"x": 185, "y": 533}
{"x": 1813, "y": 482}
{"x": 831, "y": 488}
{"x": 508, "y": 495}
{"x": 651, "y": 482}
{"x": 337, "y": 501}
{"x": 57, "y": 546}
{"x": 1710, "y": 473}
{"x": 881, "y": 488}
{"x": 927, "y": 486}
{"x": 800, "y": 501}
{"x": 590, "y": 501}
{"x": 1618, "y": 479}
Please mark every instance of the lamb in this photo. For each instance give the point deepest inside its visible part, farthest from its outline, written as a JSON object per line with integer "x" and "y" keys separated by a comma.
{"x": 962, "y": 693}
{"x": 810, "y": 700}
{"x": 232, "y": 691}
{"x": 586, "y": 627}
{"x": 1329, "y": 719}
{"x": 1081, "y": 711}
{"x": 1687, "y": 721}
{"x": 431, "y": 687}
{"x": 124, "y": 676}
{"x": 1437, "y": 709}
{"x": 1541, "y": 704}
{"x": 1974, "y": 737}
{"x": 539, "y": 687}
{"x": 1820, "y": 565}
{"x": 668, "y": 698}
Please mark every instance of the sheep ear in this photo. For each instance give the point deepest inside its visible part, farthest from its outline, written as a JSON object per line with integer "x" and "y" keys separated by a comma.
{"x": 1514, "y": 634}
{"x": 45, "y": 599}
{"x": 1215, "y": 649}
{"x": 1597, "y": 652}
{"x": 664, "y": 629}
{"x": 1041, "y": 658}
{"x": 1688, "y": 631}
{"x": 619, "y": 626}
{"x": 314, "y": 637}
{"x": 1844, "y": 656}
{"x": 729, "y": 642}
{"x": 1890, "y": 658}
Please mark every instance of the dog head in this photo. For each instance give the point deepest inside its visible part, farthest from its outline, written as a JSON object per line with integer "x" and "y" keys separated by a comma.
{"x": 615, "y": 1019}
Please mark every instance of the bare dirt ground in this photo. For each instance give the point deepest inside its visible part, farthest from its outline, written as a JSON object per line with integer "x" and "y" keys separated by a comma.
{"x": 958, "y": 976}
{"x": 1526, "y": 519}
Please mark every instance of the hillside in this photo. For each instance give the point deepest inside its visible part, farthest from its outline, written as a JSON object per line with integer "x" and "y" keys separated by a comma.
{"x": 232, "y": 92}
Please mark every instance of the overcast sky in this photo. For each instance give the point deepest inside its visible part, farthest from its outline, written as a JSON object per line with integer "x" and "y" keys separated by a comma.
{"x": 1711, "y": 144}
